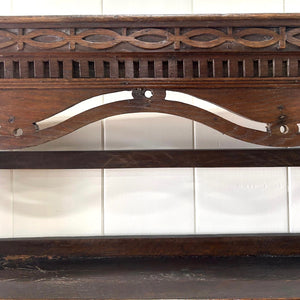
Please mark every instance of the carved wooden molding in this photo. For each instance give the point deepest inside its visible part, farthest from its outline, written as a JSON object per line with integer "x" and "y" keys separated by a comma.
{"x": 247, "y": 64}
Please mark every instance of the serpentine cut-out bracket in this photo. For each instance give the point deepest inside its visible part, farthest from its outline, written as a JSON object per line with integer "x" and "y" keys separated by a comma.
{"x": 247, "y": 64}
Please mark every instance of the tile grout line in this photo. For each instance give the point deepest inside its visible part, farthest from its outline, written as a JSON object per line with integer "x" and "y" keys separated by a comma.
{"x": 194, "y": 147}
{"x": 102, "y": 182}
{"x": 194, "y": 180}
{"x": 13, "y": 203}
{"x": 288, "y": 184}
{"x": 101, "y": 5}
{"x": 102, "y": 172}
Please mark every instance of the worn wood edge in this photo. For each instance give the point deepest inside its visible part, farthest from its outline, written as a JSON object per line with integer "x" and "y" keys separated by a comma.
{"x": 149, "y": 159}
{"x": 167, "y": 83}
{"x": 144, "y": 20}
{"x": 136, "y": 246}
{"x": 81, "y": 298}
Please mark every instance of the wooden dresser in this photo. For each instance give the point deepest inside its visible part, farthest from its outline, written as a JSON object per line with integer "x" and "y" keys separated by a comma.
{"x": 246, "y": 64}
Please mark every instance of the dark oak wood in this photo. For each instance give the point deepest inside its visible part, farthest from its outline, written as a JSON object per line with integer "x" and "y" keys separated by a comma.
{"x": 122, "y": 246}
{"x": 150, "y": 159}
{"x": 189, "y": 267}
{"x": 248, "y": 64}
{"x": 153, "y": 278}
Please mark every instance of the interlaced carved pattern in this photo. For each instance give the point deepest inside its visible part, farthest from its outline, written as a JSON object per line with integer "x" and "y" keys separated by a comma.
{"x": 248, "y": 65}
{"x": 100, "y": 38}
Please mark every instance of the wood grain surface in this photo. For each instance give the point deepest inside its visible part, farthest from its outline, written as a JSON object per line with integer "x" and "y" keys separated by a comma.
{"x": 247, "y": 64}
{"x": 153, "y": 278}
{"x": 111, "y": 159}
{"x": 129, "y": 246}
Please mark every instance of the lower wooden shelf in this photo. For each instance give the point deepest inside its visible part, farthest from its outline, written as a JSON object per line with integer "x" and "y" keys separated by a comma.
{"x": 152, "y": 278}
{"x": 165, "y": 267}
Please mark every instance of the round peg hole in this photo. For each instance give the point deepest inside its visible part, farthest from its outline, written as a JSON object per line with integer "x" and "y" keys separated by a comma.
{"x": 18, "y": 132}
{"x": 148, "y": 94}
{"x": 11, "y": 119}
{"x": 284, "y": 129}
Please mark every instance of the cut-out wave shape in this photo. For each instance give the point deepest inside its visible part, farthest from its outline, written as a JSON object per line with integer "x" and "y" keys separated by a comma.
{"x": 121, "y": 103}
{"x": 170, "y": 96}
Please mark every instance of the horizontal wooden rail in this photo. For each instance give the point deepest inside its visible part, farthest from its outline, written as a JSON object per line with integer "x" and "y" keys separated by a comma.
{"x": 193, "y": 245}
{"x": 149, "y": 159}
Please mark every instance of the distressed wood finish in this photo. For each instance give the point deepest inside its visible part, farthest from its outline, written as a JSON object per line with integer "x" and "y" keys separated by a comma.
{"x": 247, "y": 64}
{"x": 145, "y": 246}
{"x": 150, "y": 159}
{"x": 153, "y": 278}
{"x": 49, "y": 64}
{"x": 166, "y": 267}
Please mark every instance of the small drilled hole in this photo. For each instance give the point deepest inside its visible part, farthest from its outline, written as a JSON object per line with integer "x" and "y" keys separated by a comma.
{"x": 18, "y": 132}
{"x": 148, "y": 94}
{"x": 284, "y": 129}
{"x": 36, "y": 126}
{"x": 11, "y": 119}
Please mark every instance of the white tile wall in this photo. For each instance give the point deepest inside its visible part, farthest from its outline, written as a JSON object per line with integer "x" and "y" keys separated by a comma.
{"x": 57, "y": 202}
{"x": 149, "y": 201}
{"x": 49, "y": 203}
{"x": 294, "y": 199}
{"x": 234, "y": 189}
{"x": 6, "y": 8}
{"x": 238, "y": 200}
{"x": 208, "y": 138}
{"x": 86, "y": 138}
{"x": 148, "y": 131}
{"x": 56, "y": 7}
{"x": 152, "y": 201}
{"x": 241, "y": 200}
{"x": 292, "y": 6}
{"x": 237, "y": 6}
{"x": 147, "y": 7}
{"x": 6, "y": 204}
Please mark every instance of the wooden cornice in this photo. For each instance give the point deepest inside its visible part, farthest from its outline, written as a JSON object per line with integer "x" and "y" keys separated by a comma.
{"x": 247, "y": 64}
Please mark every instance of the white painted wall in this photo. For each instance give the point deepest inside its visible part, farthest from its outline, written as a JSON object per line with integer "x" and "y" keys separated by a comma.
{"x": 147, "y": 201}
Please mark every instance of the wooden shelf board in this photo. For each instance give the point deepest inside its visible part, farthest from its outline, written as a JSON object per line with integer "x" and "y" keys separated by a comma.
{"x": 153, "y": 278}
{"x": 149, "y": 159}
